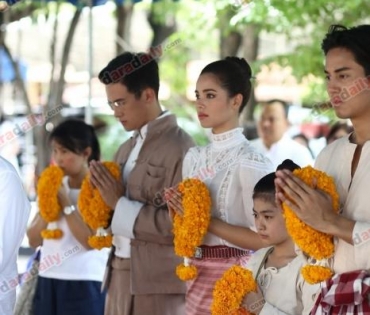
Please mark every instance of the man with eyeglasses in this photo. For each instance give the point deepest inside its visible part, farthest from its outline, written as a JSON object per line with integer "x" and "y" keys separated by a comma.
{"x": 347, "y": 160}
{"x": 140, "y": 277}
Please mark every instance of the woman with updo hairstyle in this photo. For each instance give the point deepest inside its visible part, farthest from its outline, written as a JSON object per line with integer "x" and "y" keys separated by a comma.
{"x": 230, "y": 167}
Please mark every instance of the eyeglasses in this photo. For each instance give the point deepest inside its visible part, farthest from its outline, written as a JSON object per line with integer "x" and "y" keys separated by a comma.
{"x": 116, "y": 104}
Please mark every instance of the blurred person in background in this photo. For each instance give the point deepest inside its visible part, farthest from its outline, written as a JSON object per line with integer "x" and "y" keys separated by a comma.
{"x": 338, "y": 130}
{"x": 302, "y": 139}
{"x": 273, "y": 140}
{"x": 9, "y": 141}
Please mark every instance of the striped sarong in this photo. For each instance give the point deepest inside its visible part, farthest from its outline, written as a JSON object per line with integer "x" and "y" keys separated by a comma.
{"x": 199, "y": 290}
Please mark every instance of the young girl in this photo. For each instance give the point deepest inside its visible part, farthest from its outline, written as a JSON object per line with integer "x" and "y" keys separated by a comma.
{"x": 70, "y": 272}
{"x": 230, "y": 167}
{"x": 276, "y": 267}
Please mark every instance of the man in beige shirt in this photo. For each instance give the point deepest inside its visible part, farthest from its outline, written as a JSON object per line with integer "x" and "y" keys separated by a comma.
{"x": 141, "y": 275}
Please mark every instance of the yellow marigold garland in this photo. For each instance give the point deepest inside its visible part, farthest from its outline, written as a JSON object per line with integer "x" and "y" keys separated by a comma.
{"x": 190, "y": 229}
{"x": 315, "y": 244}
{"x": 47, "y": 191}
{"x": 315, "y": 274}
{"x": 94, "y": 211}
{"x": 230, "y": 290}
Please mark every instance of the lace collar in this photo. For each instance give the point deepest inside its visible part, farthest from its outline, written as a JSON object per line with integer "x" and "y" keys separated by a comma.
{"x": 228, "y": 139}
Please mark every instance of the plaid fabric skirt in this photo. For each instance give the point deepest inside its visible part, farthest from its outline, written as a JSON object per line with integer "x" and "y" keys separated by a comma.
{"x": 199, "y": 291}
{"x": 344, "y": 294}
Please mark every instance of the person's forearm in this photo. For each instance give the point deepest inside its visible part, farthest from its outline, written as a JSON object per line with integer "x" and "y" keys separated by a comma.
{"x": 237, "y": 235}
{"x": 342, "y": 228}
{"x": 79, "y": 228}
{"x": 34, "y": 231}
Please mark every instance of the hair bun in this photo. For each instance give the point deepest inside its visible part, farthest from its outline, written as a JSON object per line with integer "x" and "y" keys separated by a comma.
{"x": 288, "y": 165}
{"x": 242, "y": 65}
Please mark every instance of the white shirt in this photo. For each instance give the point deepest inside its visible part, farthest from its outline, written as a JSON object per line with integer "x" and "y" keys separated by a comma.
{"x": 285, "y": 148}
{"x": 66, "y": 258}
{"x": 9, "y": 142}
{"x": 14, "y": 213}
{"x": 230, "y": 167}
{"x": 127, "y": 210}
{"x": 336, "y": 160}
{"x": 284, "y": 290}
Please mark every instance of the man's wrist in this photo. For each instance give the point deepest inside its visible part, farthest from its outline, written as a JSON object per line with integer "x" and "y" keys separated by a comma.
{"x": 341, "y": 227}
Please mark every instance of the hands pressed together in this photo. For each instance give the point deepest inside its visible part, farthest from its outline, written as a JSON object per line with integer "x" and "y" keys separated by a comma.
{"x": 110, "y": 189}
{"x": 174, "y": 201}
{"x": 312, "y": 206}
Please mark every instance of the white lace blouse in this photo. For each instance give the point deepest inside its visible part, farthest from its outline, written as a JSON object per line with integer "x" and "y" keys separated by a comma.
{"x": 230, "y": 167}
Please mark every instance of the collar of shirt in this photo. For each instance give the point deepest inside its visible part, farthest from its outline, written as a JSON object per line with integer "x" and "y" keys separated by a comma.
{"x": 140, "y": 135}
{"x": 228, "y": 139}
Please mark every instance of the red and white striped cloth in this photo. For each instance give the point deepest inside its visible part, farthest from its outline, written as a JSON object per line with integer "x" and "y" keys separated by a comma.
{"x": 344, "y": 294}
{"x": 199, "y": 292}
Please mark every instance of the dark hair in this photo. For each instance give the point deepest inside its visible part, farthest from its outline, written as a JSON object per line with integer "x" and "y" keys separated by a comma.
{"x": 75, "y": 135}
{"x": 234, "y": 75}
{"x": 336, "y": 127}
{"x": 137, "y": 71}
{"x": 283, "y": 103}
{"x": 265, "y": 187}
{"x": 355, "y": 39}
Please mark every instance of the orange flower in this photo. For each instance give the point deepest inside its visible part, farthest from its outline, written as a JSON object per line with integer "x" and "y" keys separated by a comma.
{"x": 47, "y": 191}
{"x": 94, "y": 211}
{"x": 99, "y": 242}
{"x": 230, "y": 290}
{"x": 190, "y": 229}
{"x": 315, "y": 274}
{"x": 315, "y": 244}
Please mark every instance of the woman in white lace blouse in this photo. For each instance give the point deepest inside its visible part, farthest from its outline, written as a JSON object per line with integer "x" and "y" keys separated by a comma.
{"x": 230, "y": 167}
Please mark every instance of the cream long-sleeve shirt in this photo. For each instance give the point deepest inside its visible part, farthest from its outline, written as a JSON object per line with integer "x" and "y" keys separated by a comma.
{"x": 14, "y": 213}
{"x": 336, "y": 160}
{"x": 230, "y": 167}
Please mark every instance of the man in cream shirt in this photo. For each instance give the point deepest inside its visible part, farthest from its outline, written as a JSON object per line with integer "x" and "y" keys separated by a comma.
{"x": 274, "y": 142}
{"x": 14, "y": 213}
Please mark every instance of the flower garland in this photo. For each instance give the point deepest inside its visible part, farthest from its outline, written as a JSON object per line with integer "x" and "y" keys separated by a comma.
{"x": 317, "y": 245}
{"x": 230, "y": 290}
{"x": 94, "y": 211}
{"x": 190, "y": 229}
{"x": 47, "y": 191}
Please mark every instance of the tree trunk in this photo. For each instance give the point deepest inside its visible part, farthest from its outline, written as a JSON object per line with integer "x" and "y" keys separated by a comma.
{"x": 52, "y": 82}
{"x": 230, "y": 39}
{"x": 55, "y": 98}
{"x": 161, "y": 30}
{"x": 250, "y": 51}
{"x": 124, "y": 16}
